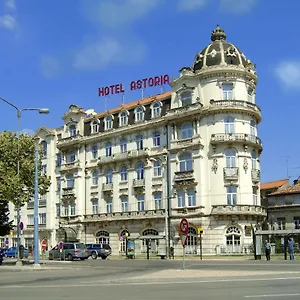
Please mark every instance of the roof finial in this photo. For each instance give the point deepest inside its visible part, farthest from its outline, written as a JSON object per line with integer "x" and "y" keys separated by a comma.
{"x": 218, "y": 34}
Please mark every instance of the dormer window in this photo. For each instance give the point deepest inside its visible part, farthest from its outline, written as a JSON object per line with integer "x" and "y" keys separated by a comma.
{"x": 186, "y": 99}
{"x": 95, "y": 126}
{"x": 123, "y": 119}
{"x": 227, "y": 90}
{"x": 156, "y": 110}
{"x": 72, "y": 130}
{"x": 139, "y": 114}
{"x": 108, "y": 123}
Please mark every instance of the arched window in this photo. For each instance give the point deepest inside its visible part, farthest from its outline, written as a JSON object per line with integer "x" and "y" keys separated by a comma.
{"x": 123, "y": 146}
{"x": 157, "y": 168}
{"x": 123, "y": 242}
{"x": 233, "y": 240}
{"x": 123, "y": 173}
{"x": 139, "y": 114}
{"x": 123, "y": 119}
{"x": 72, "y": 130}
{"x": 229, "y": 125}
{"x": 108, "y": 123}
{"x": 253, "y": 128}
{"x": 108, "y": 176}
{"x": 153, "y": 242}
{"x": 108, "y": 149}
{"x": 140, "y": 171}
{"x": 102, "y": 237}
{"x": 187, "y": 131}
{"x": 230, "y": 155}
{"x": 156, "y": 110}
{"x": 191, "y": 244}
{"x": 254, "y": 160}
{"x": 186, "y": 99}
{"x": 95, "y": 126}
{"x": 185, "y": 162}
{"x": 95, "y": 176}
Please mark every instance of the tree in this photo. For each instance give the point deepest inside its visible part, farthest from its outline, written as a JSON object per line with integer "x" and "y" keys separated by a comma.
{"x": 5, "y": 225}
{"x": 14, "y": 187}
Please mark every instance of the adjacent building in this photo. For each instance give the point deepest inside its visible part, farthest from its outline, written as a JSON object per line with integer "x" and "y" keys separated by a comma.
{"x": 140, "y": 168}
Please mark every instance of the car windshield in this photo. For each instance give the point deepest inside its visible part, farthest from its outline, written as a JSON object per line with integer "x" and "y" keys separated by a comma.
{"x": 80, "y": 246}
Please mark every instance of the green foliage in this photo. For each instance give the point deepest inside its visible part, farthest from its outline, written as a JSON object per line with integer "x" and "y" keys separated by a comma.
{"x": 15, "y": 188}
{"x": 5, "y": 225}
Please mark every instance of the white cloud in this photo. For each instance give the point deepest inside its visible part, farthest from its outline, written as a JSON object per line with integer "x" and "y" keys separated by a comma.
{"x": 116, "y": 13}
{"x": 50, "y": 67}
{"x": 288, "y": 72}
{"x": 8, "y": 22}
{"x": 108, "y": 51}
{"x": 190, "y": 5}
{"x": 11, "y": 4}
{"x": 237, "y": 6}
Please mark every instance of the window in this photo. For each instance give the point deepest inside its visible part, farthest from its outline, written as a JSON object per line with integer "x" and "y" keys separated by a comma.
{"x": 102, "y": 237}
{"x": 191, "y": 195}
{"x": 158, "y": 200}
{"x": 139, "y": 142}
{"x": 281, "y": 223}
{"x": 58, "y": 209}
{"x": 156, "y": 110}
{"x": 254, "y": 192}
{"x": 297, "y": 222}
{"x": 157, "y": 168}
{"x": 95, "y": 126}
{"x": 94, "y": 152}
{"x": 108, "y": 123}
{"x": 66, "y": 209}
{"x": 72, "y": 130}
{"x": 227, "y": 91}
{"x": 187, "y": 131}
{"x": 123, "y": 119}
{"x": 181, "y": 198}
{"x": 42, "y": 218}
{"x": 44, "y": 149}
{"x": 95, "y": 177}
{"x": 109, "y": 206}
{"x": 233, "y": 240}
{"x": 185, "y": 162}
{"x": 58, "y": 184}
{"x": 253, "y": 160}
{"x": 141, "y": 203}
{"x": 73, "y": 208}
{"x": 231, "y": 195}
{"x": 229, "y": 125}
{"x": 186, "y": 99}
{"x": 156, "y": 139}
{"x": 124, "y": 203}
{"x": 30, "y": 220}
{"x": 123, "y": 146}
{"x": 71, "y": 157}
{"x": 252, "y": 128}
{"x": 123, "y": 173}
{"x": 191, "y": 243}
{"x": 140, "y": 171}
{"x": 108, "y": 149}
{"x": 230, "y": 155}
{"x": 58, "y": 159}
{"x": 95, "y": 207}
{"x": 44, "y": 169}
{"x": 70, "y": 181}
{"x": 108, "y": 176}
{"x": 250, "y": 95}
{"x": 139, "y": 114}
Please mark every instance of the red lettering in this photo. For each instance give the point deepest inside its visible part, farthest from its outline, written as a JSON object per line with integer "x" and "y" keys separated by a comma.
{"x": 139, "y": 84}
{"x": 133, "y": 85}
{"x": 150, "y": 82}
{"x": 112, "y": 89}
{"x": 166, "y": 79}
{"x": 145, "y": 82}
{"x": 101, "y": 92}
{"x": 117, "y": 88}
{"x": 156, "y": 80}
{"x": 106, "y": 91}
{"x": 122, "y": 88}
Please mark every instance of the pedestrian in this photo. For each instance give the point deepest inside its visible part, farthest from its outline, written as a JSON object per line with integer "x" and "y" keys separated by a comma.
{"x": 291, "y": 248}
{"x": 268, "y": 250}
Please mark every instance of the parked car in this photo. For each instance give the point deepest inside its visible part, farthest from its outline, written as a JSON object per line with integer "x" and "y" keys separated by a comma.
{"x": 70, "y": 251}
{"x": 13, "y": 252}
{"x": 99, "y": 250}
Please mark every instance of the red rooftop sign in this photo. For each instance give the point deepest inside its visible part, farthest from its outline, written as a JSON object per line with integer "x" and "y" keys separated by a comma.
{"x": 134, "y": 85}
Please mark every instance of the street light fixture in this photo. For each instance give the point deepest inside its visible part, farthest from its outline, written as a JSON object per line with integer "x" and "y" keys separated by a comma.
{"x": 19, "y": 112}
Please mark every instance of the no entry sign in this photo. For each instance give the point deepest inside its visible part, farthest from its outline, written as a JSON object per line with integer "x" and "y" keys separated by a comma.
{"x": 184, "y": 226}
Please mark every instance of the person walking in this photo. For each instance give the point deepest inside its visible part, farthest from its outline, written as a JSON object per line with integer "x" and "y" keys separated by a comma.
{"x": 268, "y": 250}
{"x": 291, "y": 248}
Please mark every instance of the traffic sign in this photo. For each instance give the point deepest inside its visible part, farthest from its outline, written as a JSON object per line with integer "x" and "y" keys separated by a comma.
{"x": 121, "y": 238}
{"x": 6, "y": 242}
{"x": 44, "y": 244}
{"x": 184, "y": 226}
{"x": 21, "y": 225}
{"x": 184, "y": 240}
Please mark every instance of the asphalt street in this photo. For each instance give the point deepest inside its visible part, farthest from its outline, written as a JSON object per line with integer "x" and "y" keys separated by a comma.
{"x": 154, "y": 279}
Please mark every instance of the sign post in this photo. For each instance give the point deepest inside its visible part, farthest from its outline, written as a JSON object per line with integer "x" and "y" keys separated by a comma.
{"x": 184, "y": 228}
{"x": 200, "y": 231}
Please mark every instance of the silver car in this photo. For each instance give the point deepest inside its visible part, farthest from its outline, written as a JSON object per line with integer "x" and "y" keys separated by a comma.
{"x": 69, "y": 251}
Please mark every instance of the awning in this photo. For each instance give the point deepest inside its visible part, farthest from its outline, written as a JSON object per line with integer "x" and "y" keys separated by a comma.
{"x": 66, "y": 234}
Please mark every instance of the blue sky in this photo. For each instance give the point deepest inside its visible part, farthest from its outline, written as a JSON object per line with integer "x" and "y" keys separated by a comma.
{"x": 56, "y": 53}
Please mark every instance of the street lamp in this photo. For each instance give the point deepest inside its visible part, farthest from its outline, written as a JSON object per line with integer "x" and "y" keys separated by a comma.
{"x": 19, "y": 112}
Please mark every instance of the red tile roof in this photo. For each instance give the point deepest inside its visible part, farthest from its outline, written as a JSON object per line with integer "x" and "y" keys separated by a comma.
{"x": 293, "y": 189}
{"x": 273, "y": 184}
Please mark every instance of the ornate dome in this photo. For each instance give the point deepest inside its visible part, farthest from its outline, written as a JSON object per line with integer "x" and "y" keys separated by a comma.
{"x": 220, "y": 53}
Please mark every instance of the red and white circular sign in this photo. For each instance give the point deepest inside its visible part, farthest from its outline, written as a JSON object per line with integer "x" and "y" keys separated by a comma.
{"x": 184, "y": 226}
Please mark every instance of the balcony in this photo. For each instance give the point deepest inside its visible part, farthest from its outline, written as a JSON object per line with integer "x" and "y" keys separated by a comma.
{"x": 231, "y": 173}
{"x": 255, "y": 175}
{"x": 69, "y": 141}
{"x": 228, "y": 138}
{"x": 68, "y": 193}
{"x": 139, "y": 153}
{"x": 245, "y": 210}
{"x": 70, "y": 166}
{"x": 184, "y": 175}
{"x": 189, "y": 110}
{"x": 193, "y": 142}
{"x": 138, "y": 183}
{"x": 237, "y": 105}
{"x": 42, "y": 203}
{"x": 30, "y": 205}
{"x": 106, "y": 159}
{"x": 107, "y": 187}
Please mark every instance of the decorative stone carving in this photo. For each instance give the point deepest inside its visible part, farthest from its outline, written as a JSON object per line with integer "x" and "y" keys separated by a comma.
{"x": 231, "y": 52}
{"x": 245, "y": 164}
{"x": 214, "y": 167}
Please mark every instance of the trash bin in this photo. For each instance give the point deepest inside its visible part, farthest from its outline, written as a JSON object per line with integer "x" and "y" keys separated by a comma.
{"x": 21, "y": 251}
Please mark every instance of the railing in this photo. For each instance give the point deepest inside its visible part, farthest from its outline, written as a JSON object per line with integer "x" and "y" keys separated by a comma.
{"x": 235, "y": 137}
{"x": 231, "y": 173}
{"x": 67, "y": 191}
{"x": 107, "y": 187}
{"x": 255, "y": 175}
{"x": 138, "y": 182}
{"x": 184, "y": 175}
{"x": 238, "y": 209}
{"x": 68, "y": 140}
{"x": 235, "y": 103}
{"x": 42, "y": 202}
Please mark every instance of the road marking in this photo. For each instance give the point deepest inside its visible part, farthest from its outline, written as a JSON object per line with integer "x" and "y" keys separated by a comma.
{"x": 112, "y": 283}
{"x": 273, "y": 295}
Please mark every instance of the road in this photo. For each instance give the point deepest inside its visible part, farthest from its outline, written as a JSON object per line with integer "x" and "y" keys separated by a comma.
{"x": 154, "y": 279}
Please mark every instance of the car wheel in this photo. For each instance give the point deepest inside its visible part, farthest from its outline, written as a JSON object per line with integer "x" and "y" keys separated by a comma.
{"x": 70, "y": 257}
{"x": 94, "y": 255}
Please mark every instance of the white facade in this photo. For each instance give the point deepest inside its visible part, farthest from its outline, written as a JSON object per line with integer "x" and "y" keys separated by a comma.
{"x": 191, "y": 153}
